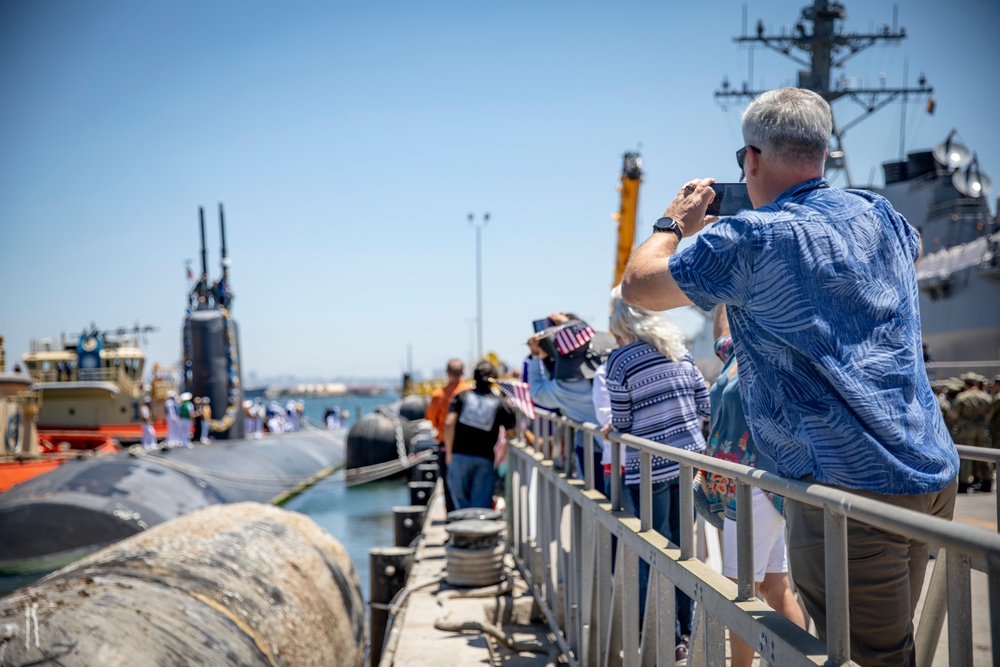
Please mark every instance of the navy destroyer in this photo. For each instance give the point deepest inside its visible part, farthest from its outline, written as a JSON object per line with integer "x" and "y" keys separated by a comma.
{"x": 942, "y": 192}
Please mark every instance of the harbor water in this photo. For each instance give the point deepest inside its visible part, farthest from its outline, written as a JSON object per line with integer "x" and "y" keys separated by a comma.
{"x": 359, "y": 517}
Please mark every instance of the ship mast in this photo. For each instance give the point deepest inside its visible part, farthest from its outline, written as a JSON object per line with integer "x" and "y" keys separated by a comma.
{"x": 823, "y": 47}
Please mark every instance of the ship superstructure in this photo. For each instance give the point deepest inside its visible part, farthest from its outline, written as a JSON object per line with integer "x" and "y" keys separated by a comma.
{"x": 941, "y": 192}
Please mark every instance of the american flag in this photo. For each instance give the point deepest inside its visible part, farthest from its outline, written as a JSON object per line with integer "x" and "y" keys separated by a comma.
{"x": 519, "y": 395}
{"x": 572, "y": 336}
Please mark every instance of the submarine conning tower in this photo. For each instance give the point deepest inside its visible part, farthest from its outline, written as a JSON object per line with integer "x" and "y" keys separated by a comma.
{"x": 211, "y": 344}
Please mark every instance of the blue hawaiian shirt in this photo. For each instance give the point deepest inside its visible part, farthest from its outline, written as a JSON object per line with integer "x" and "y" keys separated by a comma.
{"x": 821, "y": 294}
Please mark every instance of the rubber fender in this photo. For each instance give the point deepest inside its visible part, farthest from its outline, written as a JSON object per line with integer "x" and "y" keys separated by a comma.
{"x": 239, "y": 584}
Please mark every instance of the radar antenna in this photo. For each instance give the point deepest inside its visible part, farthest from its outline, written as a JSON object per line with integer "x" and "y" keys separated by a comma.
{"x": 827, "y": 46}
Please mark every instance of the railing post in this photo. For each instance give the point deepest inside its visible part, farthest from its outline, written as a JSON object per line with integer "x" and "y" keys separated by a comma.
{"x": 645, "y": 491}
{"x": 588, "y": 460}
{"x": 925, "y": 639}
{"x": 838, "y": 634}
{"x": 616, "y": 476}
{"x": 687, "y": 511}
{"x": 959, "y": 610}
{"x": 744, "y": 540}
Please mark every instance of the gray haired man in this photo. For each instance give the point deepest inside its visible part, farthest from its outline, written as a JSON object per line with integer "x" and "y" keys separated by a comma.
{"x": 821, "y": 293}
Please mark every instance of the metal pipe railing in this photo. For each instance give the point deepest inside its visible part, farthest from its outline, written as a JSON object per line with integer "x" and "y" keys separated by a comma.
{"x": 603, "y": 621}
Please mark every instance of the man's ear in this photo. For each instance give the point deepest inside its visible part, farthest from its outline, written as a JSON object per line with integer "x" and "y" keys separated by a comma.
{"x": 752, "y": 162}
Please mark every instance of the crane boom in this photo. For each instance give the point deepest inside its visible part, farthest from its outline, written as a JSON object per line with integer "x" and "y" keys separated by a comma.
{"x": 631, "y": 178}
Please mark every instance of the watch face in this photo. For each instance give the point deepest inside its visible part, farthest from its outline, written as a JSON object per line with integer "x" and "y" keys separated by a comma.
{"x": 668, "y": 225}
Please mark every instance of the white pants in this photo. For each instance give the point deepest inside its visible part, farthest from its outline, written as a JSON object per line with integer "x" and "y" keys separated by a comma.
{"x": 185, "y": 432}
{"x": 173, "y": 430}
{"x": 148, "y": 436}
{"x": 769, "y": 553}
{"x": 204, "y": 432}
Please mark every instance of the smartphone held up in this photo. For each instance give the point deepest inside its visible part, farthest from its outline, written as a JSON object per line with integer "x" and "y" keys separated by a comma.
{"x": 730, "y": 199}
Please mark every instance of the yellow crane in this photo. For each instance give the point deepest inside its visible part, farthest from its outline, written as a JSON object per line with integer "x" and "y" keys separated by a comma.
{"x": 629, "y": 189}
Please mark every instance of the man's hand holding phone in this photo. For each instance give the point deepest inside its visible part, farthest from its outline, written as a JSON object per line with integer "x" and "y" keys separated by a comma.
{"x": 689, "y": 206}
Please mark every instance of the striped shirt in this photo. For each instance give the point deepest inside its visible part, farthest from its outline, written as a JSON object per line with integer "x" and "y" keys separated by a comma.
{"x": 655, "y": 398}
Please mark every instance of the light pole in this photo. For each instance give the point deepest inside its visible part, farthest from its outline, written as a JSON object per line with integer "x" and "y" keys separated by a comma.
{"x": 479, "y": 281}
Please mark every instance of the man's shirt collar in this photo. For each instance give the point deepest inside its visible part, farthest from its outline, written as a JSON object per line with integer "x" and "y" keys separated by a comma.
{"x": 801, "y": 189}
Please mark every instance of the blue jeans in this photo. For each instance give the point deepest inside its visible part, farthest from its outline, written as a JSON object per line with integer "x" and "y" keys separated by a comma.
{"x": 471, "y": 480}
{"x": 667, "y": 522}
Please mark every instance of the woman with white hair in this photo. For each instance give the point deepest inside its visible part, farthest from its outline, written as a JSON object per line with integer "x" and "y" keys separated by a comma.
{"x": 659, "y": 394}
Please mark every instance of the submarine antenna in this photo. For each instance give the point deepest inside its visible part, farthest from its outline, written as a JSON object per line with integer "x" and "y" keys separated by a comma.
{"x": 224, "y": 296}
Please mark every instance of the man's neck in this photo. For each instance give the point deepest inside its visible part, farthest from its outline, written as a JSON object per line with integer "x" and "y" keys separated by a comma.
{"x": 780, "y": 178}
{"x": 453, "y": 383}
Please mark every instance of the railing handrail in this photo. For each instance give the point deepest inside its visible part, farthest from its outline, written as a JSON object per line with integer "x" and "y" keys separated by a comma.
{"x": 973, "y": 541}
{"x": 964, "y": 547}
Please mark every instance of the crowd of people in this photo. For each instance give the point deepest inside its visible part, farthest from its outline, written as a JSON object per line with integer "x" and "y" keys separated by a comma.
{"x": 189, "y": 419}
{"x": 815, "y": 297}
{"x": 970, "y": 407}
{"x": 259, "y": 417}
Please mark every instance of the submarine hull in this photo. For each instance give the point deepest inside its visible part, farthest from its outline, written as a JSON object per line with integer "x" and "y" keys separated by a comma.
{"x": 82, "y": 506}
{"x": 259, "y": 585}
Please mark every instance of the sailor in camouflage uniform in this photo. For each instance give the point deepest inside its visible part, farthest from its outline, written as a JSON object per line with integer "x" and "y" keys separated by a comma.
{"x": 952, "y": 388}
{"x": 994, "y": 419}
{"x": 969, "y": 413}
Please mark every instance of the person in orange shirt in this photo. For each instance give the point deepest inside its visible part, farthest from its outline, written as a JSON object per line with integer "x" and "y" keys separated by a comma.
{"x": 436, "y": 412}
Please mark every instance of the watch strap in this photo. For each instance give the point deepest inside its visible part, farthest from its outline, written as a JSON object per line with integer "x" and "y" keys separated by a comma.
{"x": 668, "y": 225}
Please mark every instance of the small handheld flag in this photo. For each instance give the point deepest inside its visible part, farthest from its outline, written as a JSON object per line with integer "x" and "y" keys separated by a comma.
{"x": 572, "y": 336}
{"x": 519, "y": 395}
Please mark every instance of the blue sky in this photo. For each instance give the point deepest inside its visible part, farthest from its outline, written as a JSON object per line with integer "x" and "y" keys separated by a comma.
{"x": 349, "y": 141}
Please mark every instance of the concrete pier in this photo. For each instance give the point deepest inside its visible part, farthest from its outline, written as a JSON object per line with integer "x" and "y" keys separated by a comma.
{"x": 436, "y": 623}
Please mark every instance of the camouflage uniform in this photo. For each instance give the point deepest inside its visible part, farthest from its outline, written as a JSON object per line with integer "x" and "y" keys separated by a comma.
{"x": 970, "y": 411}
{"x": 945, "y": 406}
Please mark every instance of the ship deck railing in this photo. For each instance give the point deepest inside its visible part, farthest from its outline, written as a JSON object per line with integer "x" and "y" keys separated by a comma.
{"x": 112, "y": 374}
{"x": 561, "y": 531}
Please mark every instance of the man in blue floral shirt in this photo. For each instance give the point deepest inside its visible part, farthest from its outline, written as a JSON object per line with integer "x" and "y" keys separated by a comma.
{"x": 821, "y": 293}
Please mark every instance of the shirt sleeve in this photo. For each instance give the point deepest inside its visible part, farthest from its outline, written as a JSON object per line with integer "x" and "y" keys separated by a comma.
{"x": 702, "y": 400}
{"x": 601, "y": 397}
{"x": 621, "y": 399}
{"x": 507, "y": 419}
{"x": 540, "y": 386}
{"x": 717, "y": 267}
{"x": 434, "y": 409}
{"x": 456, "y": 404}
{"x": 912, "y": 238}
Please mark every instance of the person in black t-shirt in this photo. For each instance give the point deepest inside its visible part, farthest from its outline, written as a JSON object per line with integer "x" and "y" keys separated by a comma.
{"x": 471, "y": 430}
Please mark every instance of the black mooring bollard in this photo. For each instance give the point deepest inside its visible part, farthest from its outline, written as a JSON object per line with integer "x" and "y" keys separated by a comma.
{"x": 425, "y": 472}
{"x": 389, "y": 568}
{"x": 420, "y": 492}
{"x": 408, "y": 521}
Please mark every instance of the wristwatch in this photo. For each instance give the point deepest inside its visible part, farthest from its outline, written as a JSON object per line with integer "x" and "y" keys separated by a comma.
{"x": 668, "y": 225}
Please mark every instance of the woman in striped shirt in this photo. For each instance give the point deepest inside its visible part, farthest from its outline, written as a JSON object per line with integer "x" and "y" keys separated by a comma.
{"x": 656, "y": 393}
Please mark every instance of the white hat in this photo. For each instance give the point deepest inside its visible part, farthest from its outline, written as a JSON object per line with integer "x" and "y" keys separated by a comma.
{"x": 206, "y": 399}
{"x": 186, "y": 396}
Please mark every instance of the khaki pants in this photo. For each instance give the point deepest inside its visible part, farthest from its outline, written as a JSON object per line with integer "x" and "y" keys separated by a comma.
{"x": 974, "y": 471}
{"x": 885, "y": 574}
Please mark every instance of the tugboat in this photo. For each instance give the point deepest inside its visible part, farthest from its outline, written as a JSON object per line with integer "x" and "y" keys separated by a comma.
{"x": 22, "y": 454}
{"x": 93, "y": 386}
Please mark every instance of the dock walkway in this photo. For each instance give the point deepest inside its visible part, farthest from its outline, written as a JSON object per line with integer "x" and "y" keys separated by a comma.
{"x": 425, "y": 630}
